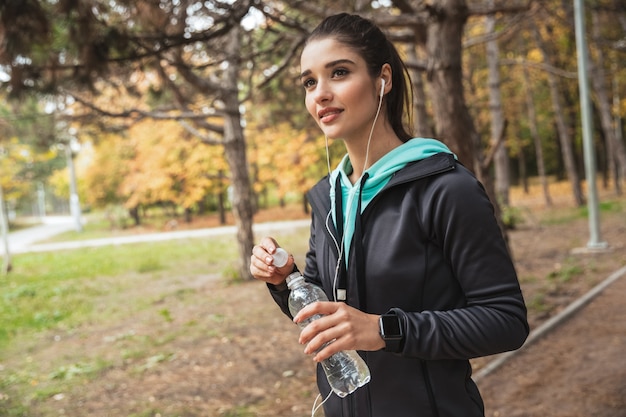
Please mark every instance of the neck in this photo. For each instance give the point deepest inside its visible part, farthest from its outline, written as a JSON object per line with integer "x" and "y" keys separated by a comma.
{"x": 383, "y": 141}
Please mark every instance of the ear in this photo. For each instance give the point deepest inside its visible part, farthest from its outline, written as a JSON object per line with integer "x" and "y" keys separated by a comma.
{"x": 385, "y": 75}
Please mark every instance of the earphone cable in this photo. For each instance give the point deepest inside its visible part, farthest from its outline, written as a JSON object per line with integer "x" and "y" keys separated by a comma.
{"x": 340, "y": 247}
{"x": 369, "y": 139}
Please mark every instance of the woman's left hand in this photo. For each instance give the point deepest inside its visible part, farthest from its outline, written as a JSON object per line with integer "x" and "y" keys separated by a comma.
{"x": 346, "y": 327}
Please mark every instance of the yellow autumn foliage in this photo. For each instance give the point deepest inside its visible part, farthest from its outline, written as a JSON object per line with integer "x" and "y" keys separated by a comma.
{"x": 155, "y": 162}
{"x": 169, "y": 165}
{"x": 288, "y": 160}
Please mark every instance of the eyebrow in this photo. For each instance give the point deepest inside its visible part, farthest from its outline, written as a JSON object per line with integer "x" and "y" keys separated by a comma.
{"x": 329, "y": 65}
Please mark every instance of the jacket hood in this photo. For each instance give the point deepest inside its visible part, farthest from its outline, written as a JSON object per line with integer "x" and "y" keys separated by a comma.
{"x": 373, "y": 181}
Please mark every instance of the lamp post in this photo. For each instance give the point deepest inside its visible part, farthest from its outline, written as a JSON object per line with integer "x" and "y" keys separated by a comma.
{"x": 4, "y": 225}
{"x": 74, "y": 200}
{"x": 595, "y": 241}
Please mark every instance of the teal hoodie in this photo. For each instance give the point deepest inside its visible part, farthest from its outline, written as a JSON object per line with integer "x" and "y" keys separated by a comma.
{"x": 379, "y": 175}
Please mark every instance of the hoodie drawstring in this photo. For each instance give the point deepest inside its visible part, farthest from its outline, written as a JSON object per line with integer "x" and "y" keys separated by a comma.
{"x": 359, "y": 258}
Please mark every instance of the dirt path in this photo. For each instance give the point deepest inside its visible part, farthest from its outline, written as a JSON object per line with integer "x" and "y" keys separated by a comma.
{"x": 576, "y": 370}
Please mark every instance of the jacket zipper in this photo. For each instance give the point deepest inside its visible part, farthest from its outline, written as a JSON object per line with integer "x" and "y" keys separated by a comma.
{"x": 429, "y": 389}
{"x": 425, "y": 371}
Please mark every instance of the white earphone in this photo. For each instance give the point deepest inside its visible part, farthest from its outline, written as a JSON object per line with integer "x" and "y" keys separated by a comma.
{"x": 382, "y": 86}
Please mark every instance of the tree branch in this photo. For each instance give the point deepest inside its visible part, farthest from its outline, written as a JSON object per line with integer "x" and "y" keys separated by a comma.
{"x": 483, "y": 10}
{"x": 204, "y": 85}
{"x": 540, "y": 66}
{"x": 138, "y": 114}
{"x": 492, "y": 151}
{"x": 285, "y": 63}
{"x": 196, "y": 133}
{"x": 510, "y": 26}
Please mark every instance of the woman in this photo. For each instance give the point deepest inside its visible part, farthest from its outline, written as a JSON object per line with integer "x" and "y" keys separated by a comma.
{"x": 403, "y": 239}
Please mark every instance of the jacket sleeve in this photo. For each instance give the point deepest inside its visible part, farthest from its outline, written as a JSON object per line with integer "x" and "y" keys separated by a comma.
{"x": 459, "y": 219}
{"x": 281, "y": 295}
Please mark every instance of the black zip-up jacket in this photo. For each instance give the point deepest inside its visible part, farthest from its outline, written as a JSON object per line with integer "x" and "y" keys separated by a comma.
{"x": 427, "y": 247}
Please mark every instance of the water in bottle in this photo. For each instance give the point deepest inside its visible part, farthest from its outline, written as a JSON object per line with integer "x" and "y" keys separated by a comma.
{"x": 346, "y": 370}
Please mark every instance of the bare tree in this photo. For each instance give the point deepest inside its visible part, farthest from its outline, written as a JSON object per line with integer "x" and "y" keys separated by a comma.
{"x": 4, "y": 231}
{"x": 616, "y": 151}
{"x": 619, "y": 137}
{"x": 534, "y": 132}
{"x": 562, "y": 126}
{"x": 421, "y": 119}
{"x": 501, "y": 157}
{"x": 235, "y": 149}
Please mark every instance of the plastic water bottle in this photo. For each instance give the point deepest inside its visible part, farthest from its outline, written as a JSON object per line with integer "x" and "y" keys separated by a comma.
{"x": 346, "y": 370}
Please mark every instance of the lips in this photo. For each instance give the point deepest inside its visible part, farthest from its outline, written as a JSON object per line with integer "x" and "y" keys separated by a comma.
{"x": 328, "y": 114}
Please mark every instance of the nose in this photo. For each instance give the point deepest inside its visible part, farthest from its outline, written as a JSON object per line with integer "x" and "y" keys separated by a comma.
{"x": 322, "y": 92}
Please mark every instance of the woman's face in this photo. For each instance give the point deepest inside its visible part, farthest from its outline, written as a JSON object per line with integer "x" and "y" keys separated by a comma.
{"x": 340, "y": 94}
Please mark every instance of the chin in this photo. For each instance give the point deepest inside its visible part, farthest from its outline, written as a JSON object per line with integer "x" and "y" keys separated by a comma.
{"x": 331, "y": 133}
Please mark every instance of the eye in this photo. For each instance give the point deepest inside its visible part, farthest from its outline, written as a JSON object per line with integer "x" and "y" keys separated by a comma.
{"x": 340, "y": 72}
{"x": 307, "y": 83}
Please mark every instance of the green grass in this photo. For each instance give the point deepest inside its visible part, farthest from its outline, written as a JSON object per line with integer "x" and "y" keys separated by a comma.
{"x": 71, "y": 293}
{"x": 57, "y": 289}
{"x": 568, "y": 271}
{"x": 570, "y": 214}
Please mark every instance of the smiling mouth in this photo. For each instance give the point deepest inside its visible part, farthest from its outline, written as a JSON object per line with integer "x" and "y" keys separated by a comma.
{"x": 328, "y": 115}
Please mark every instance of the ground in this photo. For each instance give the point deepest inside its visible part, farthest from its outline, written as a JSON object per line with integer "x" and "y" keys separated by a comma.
{"x": 257, "y": 369}
{"x": 577, "y": 369}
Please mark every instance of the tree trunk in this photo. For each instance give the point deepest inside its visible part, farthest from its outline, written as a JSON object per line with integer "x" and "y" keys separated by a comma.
{"x": 421, "y": 121}
{"x": 563, "y": 131}
{"x": 235, "y": 151}
{"x": 501, "y": 157}
{"x": 4, "y": 226}
{"x": 453, "y": 122}
{"x": 521, "y": 158}
{"x": 134, "y": 214}
{"x": 616, "y": 153}
{"x": 619, "y": 138}
{"x": 534, "y": 131}
{"x": 221, "y": 206}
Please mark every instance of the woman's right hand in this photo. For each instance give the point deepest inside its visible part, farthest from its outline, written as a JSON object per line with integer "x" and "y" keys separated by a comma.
{"x": 262, "y": 263}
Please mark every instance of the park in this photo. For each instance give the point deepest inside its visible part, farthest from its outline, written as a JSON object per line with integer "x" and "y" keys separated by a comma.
{"x": 174, "y": 136}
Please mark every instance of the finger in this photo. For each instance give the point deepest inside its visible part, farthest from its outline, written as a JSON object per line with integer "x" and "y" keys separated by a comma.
{"x": 269, "y": 244}
{"x": 321, "y": 342}
{"x": 323, "y": 308}
{"x": 323, "y": 330}
{"x": 329, "y": 350}
{"x": 262, "y": 254}
{"x": 260, "y": 269}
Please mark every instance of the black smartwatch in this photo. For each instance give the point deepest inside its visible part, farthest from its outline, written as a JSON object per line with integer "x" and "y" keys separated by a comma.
{"x": 391, "y": 331}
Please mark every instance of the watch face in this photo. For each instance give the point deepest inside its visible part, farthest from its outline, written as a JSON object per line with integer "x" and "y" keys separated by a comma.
{"x": 390, "y": 325}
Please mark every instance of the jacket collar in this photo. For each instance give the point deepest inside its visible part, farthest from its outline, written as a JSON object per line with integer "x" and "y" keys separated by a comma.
{"x": 319, "y": 195}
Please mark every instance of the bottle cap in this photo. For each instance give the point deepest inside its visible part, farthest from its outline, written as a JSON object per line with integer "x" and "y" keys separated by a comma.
{"x": 280, "y": 257}
{"x": 293, "y": 278}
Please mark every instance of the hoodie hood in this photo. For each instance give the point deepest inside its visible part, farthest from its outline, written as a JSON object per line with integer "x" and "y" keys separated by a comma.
{"x": 373, "y": 181}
